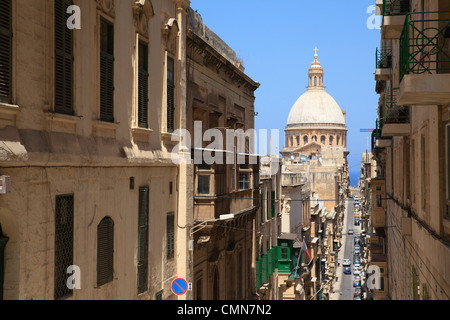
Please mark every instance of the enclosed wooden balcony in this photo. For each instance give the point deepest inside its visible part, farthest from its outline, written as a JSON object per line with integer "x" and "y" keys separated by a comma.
{"x": 425, "y": 59}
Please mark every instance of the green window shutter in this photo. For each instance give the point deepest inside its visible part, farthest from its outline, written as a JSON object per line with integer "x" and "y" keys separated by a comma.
{"x": 64, "y": 217}
{"x": 269, "y": 262}
{"x": 170, "y": 235}
{"x": 264, "y": 268}
{"x": 142, "y": 269}
{"x": 273, "y": 204}
{"x": 106, "y": 71}
{"x": 258, "y": 274}
{"x": 267, "y": 205}
{"x": 143, "y": 86}
{"x": 105, "y": 251}
{"x": 63, "y": 59}
{"x": 170, "y": 95}
{"x": 5, "y": 51}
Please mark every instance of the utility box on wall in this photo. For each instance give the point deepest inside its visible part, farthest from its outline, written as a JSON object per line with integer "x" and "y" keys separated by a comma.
{"x": 5, "y": 184}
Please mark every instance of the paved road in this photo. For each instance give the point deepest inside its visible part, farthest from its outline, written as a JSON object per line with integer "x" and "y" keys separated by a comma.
{"x": 343, "y": 287}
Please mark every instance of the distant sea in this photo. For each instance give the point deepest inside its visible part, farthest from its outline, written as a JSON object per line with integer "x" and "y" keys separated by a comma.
{"x": 354, "y": 177}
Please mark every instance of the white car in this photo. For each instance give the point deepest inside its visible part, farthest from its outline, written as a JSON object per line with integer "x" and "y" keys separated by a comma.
{"x": 356, "y": 272}
{"x": 357, "y": 266}
{"x": 346, "y": 262}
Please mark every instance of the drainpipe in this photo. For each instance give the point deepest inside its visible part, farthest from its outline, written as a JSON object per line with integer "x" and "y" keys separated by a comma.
{"x": 3, "y": 241}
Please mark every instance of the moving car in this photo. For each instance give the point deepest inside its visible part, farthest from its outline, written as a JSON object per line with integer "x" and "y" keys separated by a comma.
{"x": 350, "y": 231}
{"x": 346, "y": 262}
{"x": 356, "y": 222}
{"x": 347, "y": 270}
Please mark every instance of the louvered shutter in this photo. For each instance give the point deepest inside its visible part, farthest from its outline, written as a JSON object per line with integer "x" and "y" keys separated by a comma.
{"x": 63, "y": 59}
{"x": 170, "y": 235}
{"x": 105, "y": 251}
{"x": 143, "y": 86}
{"x": 5, "y": 51}
{"x": 170, "y": 95}
{"x": 106, "y": 71}
{"x": 142, "y": 278}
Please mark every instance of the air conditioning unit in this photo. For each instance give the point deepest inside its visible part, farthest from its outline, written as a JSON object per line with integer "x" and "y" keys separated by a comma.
{"x": 5, "y": 184}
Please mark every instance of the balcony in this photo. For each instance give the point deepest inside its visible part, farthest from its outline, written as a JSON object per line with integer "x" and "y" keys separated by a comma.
{"x": 394, "y": 119}
{"x": 394, "y": 13}
{"x": 383, "y": 63}
{"x": 424, "y": 64}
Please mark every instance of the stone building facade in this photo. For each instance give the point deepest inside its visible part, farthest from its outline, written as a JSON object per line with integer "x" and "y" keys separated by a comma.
{"x": 86, "y": 141}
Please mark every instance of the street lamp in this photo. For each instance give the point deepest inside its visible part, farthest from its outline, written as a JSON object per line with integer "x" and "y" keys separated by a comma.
{"x": 203, "y": 224}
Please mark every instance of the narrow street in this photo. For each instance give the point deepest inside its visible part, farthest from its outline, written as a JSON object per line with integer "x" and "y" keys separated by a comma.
{"x": 343, "y": 286}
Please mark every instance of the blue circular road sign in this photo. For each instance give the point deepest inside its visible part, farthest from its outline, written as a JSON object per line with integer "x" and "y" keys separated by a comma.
{"x": 179, "y": 286}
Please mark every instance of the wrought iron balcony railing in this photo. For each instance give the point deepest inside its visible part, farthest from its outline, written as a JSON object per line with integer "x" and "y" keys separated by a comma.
{"x": 425, "y": 44}
{"x": 396, "y": 7}
{"x": 390, "y": 112}
{"x": 383, "y": 58}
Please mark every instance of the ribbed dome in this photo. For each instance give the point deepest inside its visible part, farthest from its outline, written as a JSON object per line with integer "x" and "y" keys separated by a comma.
{"x": 315, "y": 106}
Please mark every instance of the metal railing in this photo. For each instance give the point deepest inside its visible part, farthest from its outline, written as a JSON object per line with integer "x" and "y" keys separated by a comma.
{"x": 390, "y": 112}
{"x": 425, "y": 43}
{"x": 396, "y": 7}
{"x": 383, "y": 58}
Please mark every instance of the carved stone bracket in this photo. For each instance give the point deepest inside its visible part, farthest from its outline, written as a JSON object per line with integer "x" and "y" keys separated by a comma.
{"x": 107, "y": 6}
{"x": 170, "y": 31}
{"x": 142, "y": 13}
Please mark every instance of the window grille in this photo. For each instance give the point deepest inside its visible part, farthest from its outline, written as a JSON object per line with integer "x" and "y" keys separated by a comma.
{"x": 170, "y": 230}
{"x": 170, "y": 95}
{"x": 143, "y": 86}
{"x": 106, "y": 71}
{"x": 64, "y": 211}
{"x": 142, "y": 270}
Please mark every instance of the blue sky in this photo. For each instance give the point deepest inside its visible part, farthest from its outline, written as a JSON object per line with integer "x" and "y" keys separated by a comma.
{"x": 275, "y": 40}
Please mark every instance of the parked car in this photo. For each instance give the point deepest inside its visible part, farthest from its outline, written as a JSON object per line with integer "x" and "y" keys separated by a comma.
{"x": 356, "y": 272}
{"x": 347, "y": 270}
{"x": 357, "y": 266}
{"x": 357, "y": 241}
{"x": 357, "y": 282}
{"x": 350, "y": 231}
{"x": 346, "y": 262}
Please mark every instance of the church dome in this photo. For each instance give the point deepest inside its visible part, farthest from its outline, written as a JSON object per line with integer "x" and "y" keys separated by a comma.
{"x": 315, "y": 106}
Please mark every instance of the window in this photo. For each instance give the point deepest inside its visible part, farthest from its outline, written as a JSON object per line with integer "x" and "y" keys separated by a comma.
{"x": 5, "y": 51}
{"x": 447, "y": 165}
{"x": 106, "y": 71}
{"x": 378, "y": 200}
{"x": 142, "y": 268}
{"x": 170, "y": 235}
{"x": 143, "y": 85}
{"x": 64, "y": 210}
{"x": 423, "y": 171}
{"x": 203, "y": 184}
{"x": 273, "y": 204}
{"x": 170, "y": 95}
{"x": 244, "y": 181}
{"x": 322, "y": 139}
{"x": 413, "y": 176}
{"x": 63, "y": 59}
{"x": 298, "y": 141}
{"x": 331, "y": 140}
{"x": 105, "y": 251}
{"x": 305, "y": 140}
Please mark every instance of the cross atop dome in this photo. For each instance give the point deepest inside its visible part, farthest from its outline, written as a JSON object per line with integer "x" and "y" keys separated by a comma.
{"x": 315, "y": 73}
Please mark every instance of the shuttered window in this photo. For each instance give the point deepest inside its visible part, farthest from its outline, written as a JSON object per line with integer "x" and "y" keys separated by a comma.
{"x": 142, "y": 278}
{"x": 105, "y": 251}
{"x": 63, "y": 59}
{"x": 106, "y": 71}
{"x": 143, "y": 86}
{"x": 64, "y": 209}
{"x": 170, "y": 95}
{"x": 170, "y": 229}
{"x": 5, "y": 51}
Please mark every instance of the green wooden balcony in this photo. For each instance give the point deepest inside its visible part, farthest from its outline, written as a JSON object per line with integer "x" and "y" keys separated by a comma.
{"x": 424, "y": 63}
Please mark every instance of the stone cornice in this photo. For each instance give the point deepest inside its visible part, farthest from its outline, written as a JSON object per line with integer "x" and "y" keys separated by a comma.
{"x": 216, "y": 62}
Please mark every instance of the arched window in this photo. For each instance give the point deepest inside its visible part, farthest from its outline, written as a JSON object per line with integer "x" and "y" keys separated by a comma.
{"x": 337, "y": 140}
{"x": 322, "y": 139}
{"x": 305, "y": 139}
{"x": 331, "y": 140}
{"x": 315, "y": 81}
{"x": 314, "y": 138}
{"x": 292, "y": 141}
{"x": 105, "y": 251}
{"x": 298, "y": 141}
